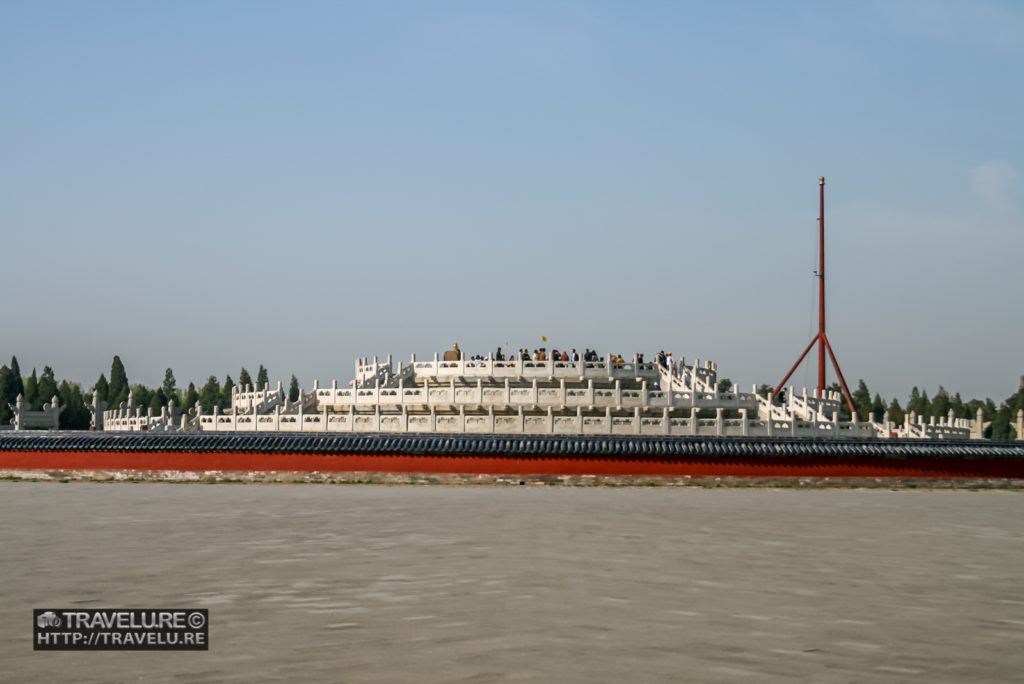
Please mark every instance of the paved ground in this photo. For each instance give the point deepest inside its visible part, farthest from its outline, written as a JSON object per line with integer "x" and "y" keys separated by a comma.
{"x": 445, "y": 584}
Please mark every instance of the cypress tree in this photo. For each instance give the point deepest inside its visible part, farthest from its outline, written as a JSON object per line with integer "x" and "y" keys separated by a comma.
{"x": 940, "y": 405}
{"x": 261, "y": 378}
{"x": 6, "y": 389}
{"x": 31, "y": 389}
{"x": 75, "y": 414}
{"x": 157, "y": 402}
{"x": 102, "y": 389}
{"x": 169, "y": 388}
{"x": 1001, "y": 428}
{"x": 293, "y": 389}
{"x": 47, "y": 388}
{"x": 862, "y": 400}
{"x": 896, "y": 414}
{"x": 877, "y": 408}
{"x": 1007, "y": 414}
{"x": 971, "y": 409}
{"x": 957, "y": 404}
{"x": 142, "y": 395}
{"x": 225, "y": 393}
{"x": 1016, "y": 402}
{"x": 19, "y": 383}
{"x": 844, "y": 410}
{"x": 918, "y": 402}
{"x": 244, "y": 379}
{"x": 914, "y": 399}
{"x": 67, "y": 411}
{"x": 118, "y": 383}
{"x": 191, "y": 397}
{"x": 988, "y": 411}
{"x": 209, "y": 395}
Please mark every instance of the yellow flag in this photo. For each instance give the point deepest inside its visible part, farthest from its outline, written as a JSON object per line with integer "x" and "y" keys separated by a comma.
{"x": 543, "y": 338}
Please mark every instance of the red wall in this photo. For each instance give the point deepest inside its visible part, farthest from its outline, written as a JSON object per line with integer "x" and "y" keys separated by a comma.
{"x": 512, "y": 465}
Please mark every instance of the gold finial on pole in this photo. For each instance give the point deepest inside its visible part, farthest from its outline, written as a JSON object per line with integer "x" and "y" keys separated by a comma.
{"x": 821, "y": 181}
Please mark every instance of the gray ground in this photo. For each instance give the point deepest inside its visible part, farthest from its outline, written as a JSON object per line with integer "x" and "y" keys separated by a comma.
{"x": 443, "y": 584}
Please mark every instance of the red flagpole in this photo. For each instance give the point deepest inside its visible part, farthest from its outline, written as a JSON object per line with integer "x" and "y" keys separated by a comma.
{"x": 821, "y": 338}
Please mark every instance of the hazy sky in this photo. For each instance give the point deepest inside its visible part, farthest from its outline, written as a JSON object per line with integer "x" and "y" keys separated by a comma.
{"x": 207, "y": 185}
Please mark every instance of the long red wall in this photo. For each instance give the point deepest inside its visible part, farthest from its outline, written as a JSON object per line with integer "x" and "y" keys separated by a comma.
{"x": 511, "y": 465}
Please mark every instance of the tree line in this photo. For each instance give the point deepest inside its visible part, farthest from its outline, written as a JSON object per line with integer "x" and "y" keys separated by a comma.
{"x": 38, "y": 390}
{"x": 874, "y": 407}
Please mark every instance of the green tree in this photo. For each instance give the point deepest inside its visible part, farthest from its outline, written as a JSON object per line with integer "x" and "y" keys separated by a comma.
{"x": 1001, "y": 428}
{"x": 31, "y": 389}
{"x": 914, "y": 400}
{"x": 1008, "y": 413}
{"x": 118, "y": 391}
{"x": 940, "y": 405}
{"x": 190, "y": 399}
{"x": 862, "y": 400}
{"x": 244, "y": 379}
{"x": 724, "y": 385}
{"x": 293, "y": 389}
{"x": 896, "y": 413}
{"x": 988, "y": 409}
{"x": 7, "y": 388}
{"x": 765, "y": 390}
{"x": 102, "y": 389}
{"x": 19, "y": 383}
{"x": 918, "y": 402}
{"x": 225, "y": 393}
{"x": 141, "y": 395}
{"x": 75, "y": 414}
{"x": 957, "y": 404}
{"x": 262, "y": 379}
{"x": 877, "y": 408}
{"x": 209, "y": 395}
{"x": 169, "y": 388}
{"x": 47, "y": 389}
{"x": 157, "y": 401}
{"x": 844, "y": 410}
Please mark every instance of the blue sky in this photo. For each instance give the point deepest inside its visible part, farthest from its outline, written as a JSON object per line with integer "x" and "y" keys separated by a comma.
{"x": 210, "y": 185}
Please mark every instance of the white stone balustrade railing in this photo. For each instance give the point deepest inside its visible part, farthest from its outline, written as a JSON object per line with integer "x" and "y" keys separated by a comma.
{"x": 373, "y": 372}
{"x": 518, "y": 368}
{"x": 249, "y": 400}
{"x": 915, "y": 427}
{"x": 453, "y": 394}
{"x": 810, "y": 406}
{"x": 25, "y": 418}
{"x": 367, "y": 371}
{"x": 701, "y": 422}
{"x": 526, "y": 423}
{"x": 131, "y": 418}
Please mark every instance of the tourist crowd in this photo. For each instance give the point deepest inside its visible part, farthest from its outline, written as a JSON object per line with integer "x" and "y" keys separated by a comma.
{"x": 662, "y": 358}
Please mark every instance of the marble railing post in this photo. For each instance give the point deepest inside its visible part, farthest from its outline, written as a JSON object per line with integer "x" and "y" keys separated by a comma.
{"x": 18, "y": 407}
{"x": 96, "y": 409}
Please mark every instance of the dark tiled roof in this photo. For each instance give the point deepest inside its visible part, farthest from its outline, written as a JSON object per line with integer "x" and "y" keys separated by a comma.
{"x": 504, "y": 445}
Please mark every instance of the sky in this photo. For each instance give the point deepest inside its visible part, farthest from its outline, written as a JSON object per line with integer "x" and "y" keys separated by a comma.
{"x": 211, "y": 185}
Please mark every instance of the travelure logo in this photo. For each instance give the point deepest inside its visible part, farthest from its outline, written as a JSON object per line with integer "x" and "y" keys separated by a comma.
{"x": 48, "y": 619}
{"x": 113, "y": 629}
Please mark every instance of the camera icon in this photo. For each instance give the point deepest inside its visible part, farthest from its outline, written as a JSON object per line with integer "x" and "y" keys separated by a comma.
{"x": 48, "y": 619}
